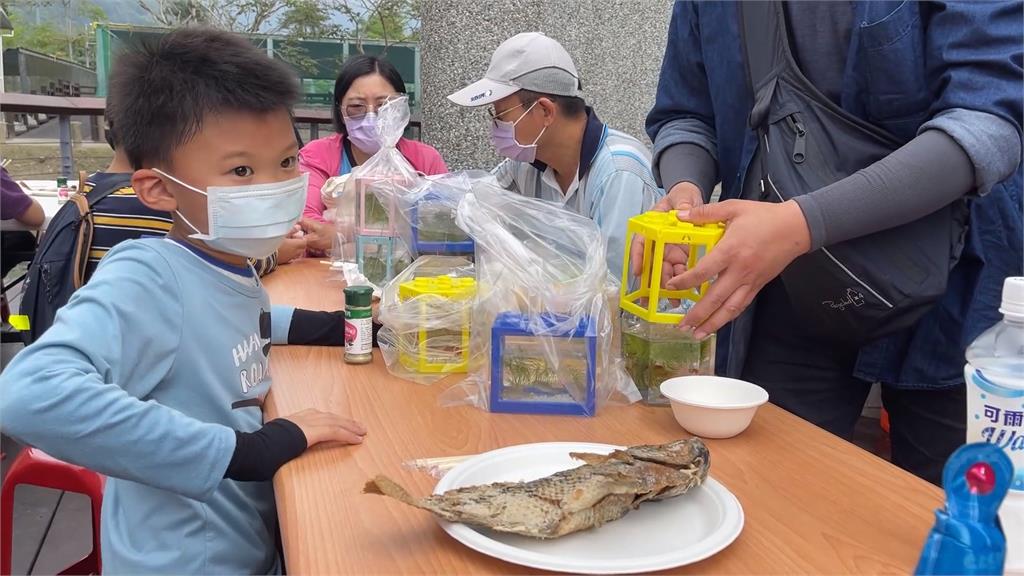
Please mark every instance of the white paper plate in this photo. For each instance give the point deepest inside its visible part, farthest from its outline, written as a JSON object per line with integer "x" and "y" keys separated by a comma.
{"x": 656, "y": 536}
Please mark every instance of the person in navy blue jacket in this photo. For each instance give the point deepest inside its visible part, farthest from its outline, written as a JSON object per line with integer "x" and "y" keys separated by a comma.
{"x": 946, "y": 80}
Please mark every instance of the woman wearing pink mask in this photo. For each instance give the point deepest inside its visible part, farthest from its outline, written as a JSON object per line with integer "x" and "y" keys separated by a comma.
{"x": 363, "y": 85}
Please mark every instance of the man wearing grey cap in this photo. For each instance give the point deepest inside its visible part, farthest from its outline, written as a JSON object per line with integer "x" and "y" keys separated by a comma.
{"x": 555, "y": 146}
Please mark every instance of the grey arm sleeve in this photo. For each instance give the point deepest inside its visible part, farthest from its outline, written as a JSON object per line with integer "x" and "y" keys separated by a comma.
{"x": 927, "y": 173}
{"x": 688, "y": 163}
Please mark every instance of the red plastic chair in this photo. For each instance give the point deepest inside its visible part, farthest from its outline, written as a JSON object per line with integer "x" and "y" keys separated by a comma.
{"x": 36, "y": 468}
{"x": 884, "y": 421}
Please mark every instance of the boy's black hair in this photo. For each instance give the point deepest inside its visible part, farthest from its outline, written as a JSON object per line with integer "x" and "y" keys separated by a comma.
{"x": 571, "y": 106}
{"x": 355, "y": 68}
{"x": 161, "y": 93}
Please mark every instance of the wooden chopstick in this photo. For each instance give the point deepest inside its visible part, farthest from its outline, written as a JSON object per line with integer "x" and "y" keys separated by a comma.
{"x": 433, "y": 465}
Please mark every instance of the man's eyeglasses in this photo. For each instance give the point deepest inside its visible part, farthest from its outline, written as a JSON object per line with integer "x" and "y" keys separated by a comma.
{"x": 495, "y": 115}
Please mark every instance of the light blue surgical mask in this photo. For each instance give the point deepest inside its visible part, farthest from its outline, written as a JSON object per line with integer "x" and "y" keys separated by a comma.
{"x": 250, "y": 220}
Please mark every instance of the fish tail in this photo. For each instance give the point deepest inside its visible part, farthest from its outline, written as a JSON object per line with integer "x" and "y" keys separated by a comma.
{"x": 387, "y": 487}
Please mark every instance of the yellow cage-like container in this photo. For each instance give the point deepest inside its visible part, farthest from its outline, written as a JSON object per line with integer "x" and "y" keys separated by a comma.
{"x": 438, "y": 349}
{"x": 660, "y": 229}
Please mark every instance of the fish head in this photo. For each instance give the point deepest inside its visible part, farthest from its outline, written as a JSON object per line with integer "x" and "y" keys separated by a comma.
{"x": 689, "y": 454}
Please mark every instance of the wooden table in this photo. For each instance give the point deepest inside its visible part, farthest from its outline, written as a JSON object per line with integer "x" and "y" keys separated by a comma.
{"x": 813, "y": 503}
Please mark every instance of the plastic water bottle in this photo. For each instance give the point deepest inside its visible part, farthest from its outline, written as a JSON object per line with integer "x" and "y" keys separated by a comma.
{"x": 995, "y": 407}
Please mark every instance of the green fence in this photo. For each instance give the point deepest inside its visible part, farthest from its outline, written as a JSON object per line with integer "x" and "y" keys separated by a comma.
{"x": 315, "y": 61}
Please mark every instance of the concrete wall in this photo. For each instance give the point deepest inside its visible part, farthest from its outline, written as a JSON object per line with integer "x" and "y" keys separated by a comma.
{"x": 617, "y": 46}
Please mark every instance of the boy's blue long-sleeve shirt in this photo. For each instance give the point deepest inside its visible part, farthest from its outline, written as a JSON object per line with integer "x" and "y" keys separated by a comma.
{"x": 145, "y": 376}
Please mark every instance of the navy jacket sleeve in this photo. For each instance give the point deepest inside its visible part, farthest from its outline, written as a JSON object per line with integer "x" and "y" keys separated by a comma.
{"x": 682, "y": 113}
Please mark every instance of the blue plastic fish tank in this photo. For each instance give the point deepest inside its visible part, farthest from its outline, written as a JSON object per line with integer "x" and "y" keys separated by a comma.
{"x": 434, "y": 230}
{"x": 523, "y": 378}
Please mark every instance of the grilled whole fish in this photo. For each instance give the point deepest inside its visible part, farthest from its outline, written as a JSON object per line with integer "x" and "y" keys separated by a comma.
{"x": 605, "y": 488}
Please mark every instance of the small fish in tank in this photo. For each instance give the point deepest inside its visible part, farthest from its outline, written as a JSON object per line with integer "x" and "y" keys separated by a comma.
{"x": 444, "y": 346}
{"x": 443, "y": 350}
{"x": 529, "y": 376}
{"x": 655, "y": 352}
{"x": 539, "y": 366}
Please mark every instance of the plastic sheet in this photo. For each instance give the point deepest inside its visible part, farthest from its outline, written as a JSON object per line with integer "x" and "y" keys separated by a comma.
{"x": 426, "y": 312}
{"x": 543, "y": 329}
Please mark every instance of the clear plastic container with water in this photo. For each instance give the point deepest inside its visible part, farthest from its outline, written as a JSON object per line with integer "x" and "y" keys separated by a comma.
{"x": 995, "y": 407}
{"x": 654, "y": 353}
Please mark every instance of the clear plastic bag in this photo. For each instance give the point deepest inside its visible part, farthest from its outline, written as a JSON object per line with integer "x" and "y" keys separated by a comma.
{"x": 426, "y": 313}
{"x": 339, "y": 199}
{"x": 424, "y": 215}
{"x": 543, "y": 329}
{"x": 338, "y": 194}
{"x": 366, "y": 212}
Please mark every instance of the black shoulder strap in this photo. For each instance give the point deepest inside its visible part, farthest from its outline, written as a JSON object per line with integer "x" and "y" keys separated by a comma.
{"x": 765, "y": 47}
{"x": 762, "y": 37}
{"x": 769, "y": 58}
{"x": 78, "y": 212}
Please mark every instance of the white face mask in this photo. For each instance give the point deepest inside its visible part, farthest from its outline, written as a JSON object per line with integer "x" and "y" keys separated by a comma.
{"x": 250, "y": 220}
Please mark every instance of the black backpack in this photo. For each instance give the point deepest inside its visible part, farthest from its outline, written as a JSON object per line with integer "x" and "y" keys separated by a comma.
{"x": 861, "y": 289}
{"x": 58, "y": 268}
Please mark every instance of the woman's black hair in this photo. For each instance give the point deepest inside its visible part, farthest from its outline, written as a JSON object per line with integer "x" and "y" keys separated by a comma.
{"x": 355, "y": 68}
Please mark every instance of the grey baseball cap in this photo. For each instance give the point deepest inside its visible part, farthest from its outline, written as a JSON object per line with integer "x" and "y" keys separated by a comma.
{"x": 527, "y": 61}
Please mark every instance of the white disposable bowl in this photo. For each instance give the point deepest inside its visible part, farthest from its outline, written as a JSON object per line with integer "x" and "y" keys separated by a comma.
{"x": 712, "y": 406}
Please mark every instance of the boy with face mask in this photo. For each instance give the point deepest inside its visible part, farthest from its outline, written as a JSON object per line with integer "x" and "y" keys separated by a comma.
{"x": 155, "y": 371}
{"x": 555, "y": 146}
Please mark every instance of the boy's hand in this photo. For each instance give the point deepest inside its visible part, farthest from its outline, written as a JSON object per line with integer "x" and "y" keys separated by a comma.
{"x": 296, "y": 232}
{"x": 319, "y": 235}
{"x": 319, "y": 426}
{"x": 291, "y": 249}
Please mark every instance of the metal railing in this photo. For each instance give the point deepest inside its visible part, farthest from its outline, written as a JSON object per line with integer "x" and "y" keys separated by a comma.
{"x": 64, "y": 107}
